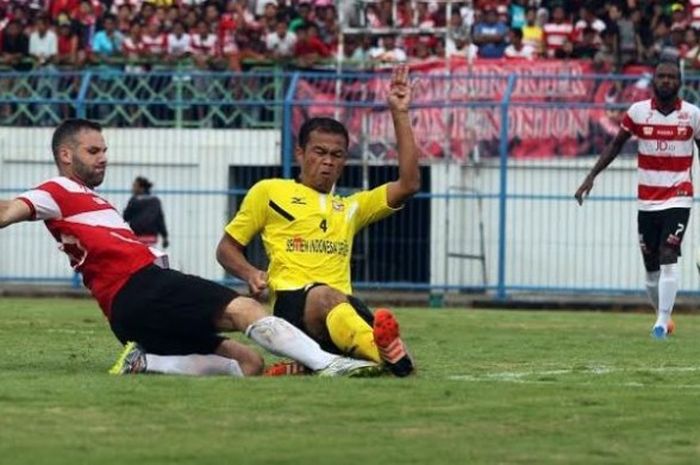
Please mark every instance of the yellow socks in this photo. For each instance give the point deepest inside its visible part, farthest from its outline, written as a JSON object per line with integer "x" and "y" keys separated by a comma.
{"x": 350, "y": 333}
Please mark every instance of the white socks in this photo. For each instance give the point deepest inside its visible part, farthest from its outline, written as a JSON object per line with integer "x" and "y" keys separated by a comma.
{"x": 668, "y": 287}
{"x": 282, "y": 338}
{"x": 193, "y": 364}
{"x": 652, "y": 285}
{"x": 272, "y": 333}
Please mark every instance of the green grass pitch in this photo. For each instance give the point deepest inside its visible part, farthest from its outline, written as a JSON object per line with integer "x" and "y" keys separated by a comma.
{"x": 494, "y": 387}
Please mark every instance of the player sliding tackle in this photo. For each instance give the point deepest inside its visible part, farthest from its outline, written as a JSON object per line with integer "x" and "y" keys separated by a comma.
{"x": 307, "y": 231}
{"x": 667, "y": 128}
{"x": 168, "y": 320}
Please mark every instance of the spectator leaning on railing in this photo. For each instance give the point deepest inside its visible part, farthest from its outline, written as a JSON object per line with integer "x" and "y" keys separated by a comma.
{"x": 281, "y": 42}
{"x": 490, "y": 34}
{"x": 14, "y": 46}
{"x": 107, "y": 43}
{"x": 43, "y": 43}
{"x": 517, "y": 48}
{"x": 68, "y": 53}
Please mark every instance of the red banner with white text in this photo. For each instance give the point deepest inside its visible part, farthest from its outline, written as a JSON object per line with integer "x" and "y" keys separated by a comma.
{"x": 556, "y": 108}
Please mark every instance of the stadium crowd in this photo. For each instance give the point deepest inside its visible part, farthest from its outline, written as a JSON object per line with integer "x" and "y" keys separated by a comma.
{"x": 225, "y": 34}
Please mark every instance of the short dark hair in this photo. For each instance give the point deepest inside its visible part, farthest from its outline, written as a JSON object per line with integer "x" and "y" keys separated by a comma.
{"x": 669, "y": 61}
{"x": 68, "y": 129}
{"x": 517, "y": 32}
{"x": 322, "y": 124}
{"x": 145, "y": 184}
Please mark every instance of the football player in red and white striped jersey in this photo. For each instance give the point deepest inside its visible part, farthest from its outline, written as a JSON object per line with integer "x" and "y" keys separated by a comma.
{"x": 169, "y": 321}
{"x": 667, "y": 129}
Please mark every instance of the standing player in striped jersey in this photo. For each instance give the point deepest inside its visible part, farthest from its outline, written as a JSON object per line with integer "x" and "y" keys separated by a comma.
{"x": 667, "y": 129}
{"x": 308, "y": 230}
{"x": 169, "y": 321}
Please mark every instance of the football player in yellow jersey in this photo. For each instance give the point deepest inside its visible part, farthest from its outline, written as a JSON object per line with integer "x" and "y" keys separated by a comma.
{"x": 308, "y": 231}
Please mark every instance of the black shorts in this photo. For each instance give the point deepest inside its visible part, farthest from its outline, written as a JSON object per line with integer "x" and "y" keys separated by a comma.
{"x": 289, "y": 305}
{"x": 665, "y": 227}
{"x": 169, "y": 312}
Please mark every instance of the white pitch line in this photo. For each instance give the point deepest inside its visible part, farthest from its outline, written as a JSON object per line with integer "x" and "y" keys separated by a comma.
{"x": 595, "y": 370}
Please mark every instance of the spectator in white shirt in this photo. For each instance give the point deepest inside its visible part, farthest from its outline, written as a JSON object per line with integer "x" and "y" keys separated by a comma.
{"x": 459, "y": 44}
{"x": 281, "y": 42}
{"x": 43, "y": 43}
{"x": 179, "y": 42}
{"x": 517, "y": 49}
{"x": 389, "y": 51}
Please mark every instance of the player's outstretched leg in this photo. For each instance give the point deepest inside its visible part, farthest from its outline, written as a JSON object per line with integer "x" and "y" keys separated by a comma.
{"x": 134, "y": 359}
{"x": 391, "y": 347}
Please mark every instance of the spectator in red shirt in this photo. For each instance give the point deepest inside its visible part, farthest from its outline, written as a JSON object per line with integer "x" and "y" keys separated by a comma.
{"x": 68, "y": 53}
{"x": 56, "y": 7}
{"x": 422, "y": 50}
{"x": 309, "y": 49}
{"x": 85, "y": 21}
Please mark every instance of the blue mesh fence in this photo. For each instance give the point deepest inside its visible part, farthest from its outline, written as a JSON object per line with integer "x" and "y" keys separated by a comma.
{"x": 501, "y": 159}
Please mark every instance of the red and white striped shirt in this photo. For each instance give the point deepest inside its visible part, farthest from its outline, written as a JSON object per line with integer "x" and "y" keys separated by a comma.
{"x": 695, "y": 13}
{"x": 555, "y": 35}
{"x": 154, "y": 45}
{"x": 204, "y": 45}
{"x": 98, "y": 242}
{"x": 131, "y": 46}
{"x": 665, "y": 153}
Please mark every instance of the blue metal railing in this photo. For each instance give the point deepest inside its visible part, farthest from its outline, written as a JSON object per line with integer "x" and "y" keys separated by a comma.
{"x": 502, "y": 204}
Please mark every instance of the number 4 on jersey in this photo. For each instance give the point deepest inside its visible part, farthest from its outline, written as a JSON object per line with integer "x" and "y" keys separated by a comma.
{"x": 323, "y": 225}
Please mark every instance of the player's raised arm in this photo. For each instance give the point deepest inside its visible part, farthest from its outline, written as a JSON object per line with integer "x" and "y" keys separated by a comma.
{"x": 13, "y": 211}
{"x": 611, "y": 151}
{"x": 399, "y": 100}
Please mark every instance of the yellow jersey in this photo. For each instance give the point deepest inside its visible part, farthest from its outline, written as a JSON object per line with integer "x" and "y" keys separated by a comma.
{"x": 533, "y": 36}
{"x": 307, "y": 235}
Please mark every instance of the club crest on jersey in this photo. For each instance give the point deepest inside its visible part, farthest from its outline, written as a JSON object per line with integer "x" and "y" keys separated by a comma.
{"x": 683, "y": 115}
{"x": 298, "y": 201}
{"x": 338, "y": 206}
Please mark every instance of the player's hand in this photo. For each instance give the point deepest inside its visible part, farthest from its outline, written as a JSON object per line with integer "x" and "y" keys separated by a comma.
{"x": 166, "y": 243}
{"x": 584, "y": 189}
{"x": 257, "y": 283}
{"x": 399, "y": 97}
